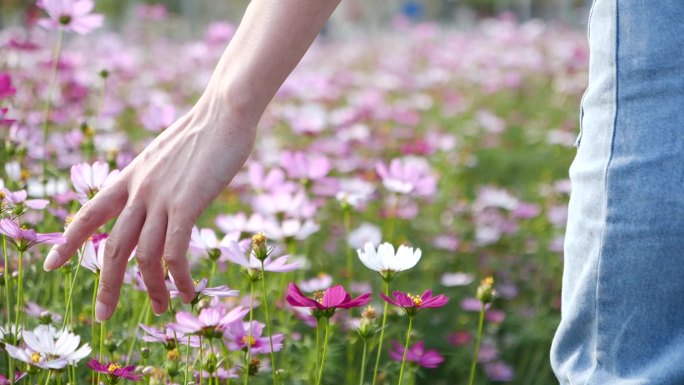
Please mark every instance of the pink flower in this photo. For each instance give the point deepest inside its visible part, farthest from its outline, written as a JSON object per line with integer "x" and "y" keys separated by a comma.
{"x": 3, "y": 121}
{"x": 210, "y": 323}
{"x": 157, "y": 117}
{"x": 499, "y": 371}
{"x": 72, "y": 15}
{"x": 201, "y": 289}
{"x": 6, "y": 89}
{"x": 89, "y": 179}
{"x": 168, "y": 337}
{"x": 17, "y": 199}
{"x": 416, "y": 353}
{"x": 408, "y": 176}
{"x": 24, "y": 238}
{"x": 325, "y": 303}
{"x": 17, "y": 376}
{"x": 115, "y": 371}
{"x": 237, "y": 254}
{"x": 412, "y": 304}
{"x": 299, "y": 165}
{"x": 237, "y": 337}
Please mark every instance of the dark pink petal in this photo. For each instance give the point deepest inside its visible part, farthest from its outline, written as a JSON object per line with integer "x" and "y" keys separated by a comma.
{"x": 397, "y": 351}
{"x": 426, "y": 295}
{"x": 403, "y": 299}
{"x": 431, "y": 359}
{"x": 388, "y": 300}
{"x": 334, "y": 296}
{"x": 296, "y": 298}
{"x": 434, "y": 302}
{"x": 356, "y": 302}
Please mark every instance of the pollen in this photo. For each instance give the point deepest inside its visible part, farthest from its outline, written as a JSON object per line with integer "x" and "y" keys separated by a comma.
{"x": 259, "y": 238}
{"x": 417, "y": 301}
{"x": 489, "y": 281}
{"x": 318, "y": 296}
{"x": 111, "y": 368}
{"x": 248, "y": 340}
{"x": 35, "y": 357}
{"x": 2, "y": 195}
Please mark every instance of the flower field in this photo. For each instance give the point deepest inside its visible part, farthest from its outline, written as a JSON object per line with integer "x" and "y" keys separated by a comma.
{"x": 399, "y": 221}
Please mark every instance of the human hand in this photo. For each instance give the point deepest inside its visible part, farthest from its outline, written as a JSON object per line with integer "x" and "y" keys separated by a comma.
{"x": 157, "y": 198}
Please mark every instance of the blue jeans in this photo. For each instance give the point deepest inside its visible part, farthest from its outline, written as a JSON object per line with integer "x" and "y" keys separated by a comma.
{"x": 623, "y": 284}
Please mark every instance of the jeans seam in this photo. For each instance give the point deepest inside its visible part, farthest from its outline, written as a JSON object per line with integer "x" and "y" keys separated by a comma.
{"x": 606, "y": 191}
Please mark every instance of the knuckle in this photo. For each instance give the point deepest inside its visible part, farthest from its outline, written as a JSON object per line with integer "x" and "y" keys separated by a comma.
{"x": 107, "y": 291}
{"x": 87, "y": 212}
{"x": 173, "y": 261}
{"x": 112, "y": 248}
{"x": 144, "y": 259}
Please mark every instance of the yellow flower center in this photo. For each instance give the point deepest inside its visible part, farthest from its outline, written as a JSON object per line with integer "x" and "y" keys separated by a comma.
{"x": 318, "y": 296}
{"x": 196, "y": 282}
{"x": 113, "y": 367}
{"x": 489, "y": 281}
{"x": 259, "y": 238}
{"x": 248, "y": 340}
{"x": 35, "y": 357}
{"x": 417, "y": 301}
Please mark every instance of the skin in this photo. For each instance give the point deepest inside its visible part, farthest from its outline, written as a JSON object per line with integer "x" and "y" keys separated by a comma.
{"x": 161, "y": 193}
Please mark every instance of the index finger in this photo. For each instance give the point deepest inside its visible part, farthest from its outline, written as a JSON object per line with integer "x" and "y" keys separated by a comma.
{"x": 104, "y": 206}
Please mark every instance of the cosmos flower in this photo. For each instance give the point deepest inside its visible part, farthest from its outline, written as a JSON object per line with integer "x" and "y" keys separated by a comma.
{"x": 168, "y": 337}
{"x": 6, "y": 88}
{"x": 24, "y": 238}
{"x": 89, "y": 179}
{"x": 237, "y": 254}
{"x": 237, "y": 337}
{"x": 210, "y": 323}
{"x": 115, "y": 371}
{"x": 408, "y": 176}
{"x": 17, "y": 199}
{"x": 416, "y": 353}
{"x": 17, "y": 376}
{"x": 412, "y": 304}
{"x": 304, "y": 166}
{"x": 47, "y": 352}
{"x": 4, "y": 121}
{"x": 327, "y": 302}
{"x": 318, "y": 283}
{"x": 94, "y": 253}
{"x": 72, "y": 15}
{"x": 201, "y": 290}
{"x": 205, "y": 242}
{"x": 385, "y": 261}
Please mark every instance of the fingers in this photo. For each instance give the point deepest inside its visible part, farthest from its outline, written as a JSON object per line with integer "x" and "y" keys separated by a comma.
{"x": 104, "y": 206}
{"x": 118, "y": 248}
{"x": 176, "y": 244}
{"x": 149, "y": 254}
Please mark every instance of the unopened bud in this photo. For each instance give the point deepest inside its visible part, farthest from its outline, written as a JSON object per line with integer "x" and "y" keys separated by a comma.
{"x": 254, "y": 365}
{"x": 369, "y": 313}
{"x": 260, "y": 246}
{"x": 486, "y": 292}
{"x": 173, "y": 355}
{"x": 211, "y": 363}
{"x": 45, "y": 318}
{"x": 145, "y": 353}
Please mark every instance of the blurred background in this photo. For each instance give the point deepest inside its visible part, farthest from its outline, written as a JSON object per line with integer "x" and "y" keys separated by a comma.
{"x": 352, "y": 15}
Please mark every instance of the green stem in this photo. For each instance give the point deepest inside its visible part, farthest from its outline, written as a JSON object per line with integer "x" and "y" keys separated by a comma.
{"x": 382, "y": 334}
{"x": 20, "y": 292}
{"x": 92, "y": 318}
{"x": 213, "y": 271}
{"x": 51, "y": 90}
{"x": 201, "y": 360}
{"x": 8, "y": 304}
{"x": 477, "y": 345}
{"x": 325, "y": 349}
{"x": 318, "y": 344}
{"x": 187, "y": 362}
{"x": 134, "y": 329}
{"x": 47, "y": 377}
{"x": 363, "y": 361}
{"x": 68, "y": 313}
{"x": 268, "y": 321}
{"x": 406, "y": 345}
{"x": 102, "y": 337}
{"x": 249, "y": 340}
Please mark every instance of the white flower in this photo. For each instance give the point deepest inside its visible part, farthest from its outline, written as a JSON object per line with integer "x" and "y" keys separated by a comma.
{"x": 363, "y": 234}
{"x": 89, "y": 179}
{"x": 386, "y": 262}
{"x": 93, "y": 257}
{"x": 44, "y": 351}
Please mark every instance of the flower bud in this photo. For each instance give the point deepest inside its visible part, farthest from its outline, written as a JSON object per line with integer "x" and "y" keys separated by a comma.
{"x": 211, "y": 363}
{"x": 173, "y": 355}
{"x": 45, "y": 318}
{"x": 486, "y": 292}
{"x": 145, "y": 353}
{"x": 254, "y": 365}
{"x": 260, "y": 246}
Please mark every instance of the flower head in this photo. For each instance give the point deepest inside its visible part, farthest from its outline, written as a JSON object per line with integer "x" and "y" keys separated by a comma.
{"x": 72, "y": 15}
{"x": 408, "y": 176}
{"x": 89, "y": 179}
{"x": 168, "y": 337}
{"x": 115, "y": 371}
{"x": 237, "y": 253}
{"x": 210, "y": 323}
{"x": 237, "y": 337}
{"x": 412, "y": 304}
{"x": 6, "y": 88}
{"x": 201, "y": 290}
{"x": 416, "y": 353}
{"x": 325, "y": 303}
{"x": 385, "y": 261}
{"x": 46, "y": 351}
{"x": 24, "y": 238}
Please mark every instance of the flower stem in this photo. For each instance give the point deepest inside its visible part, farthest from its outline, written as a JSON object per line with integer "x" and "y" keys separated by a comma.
{"x": 406, "y": 345}
{"x": 92, "y": 318}
{"x": 20, "y": 292}
{"x": 101, "y": 342}
{"x": 201, "y": 360}
{"x": 363, "y": 360}
{"x": 213, "y": 271}
{"x": 382, "y": 334}
{"x": 249, "y": 340}
{"x": 318, "y": 344}
{"x": 325, "y": 349}
{"x": 187, "y": 363}
{"x": 8, "y": 303}
{"x": 51, "y": 90}
{"x": 68, "y": 312}
{"x": 47, "y": 377}
{"x": 268, "y": 321}
{"x": 477, "y": 345}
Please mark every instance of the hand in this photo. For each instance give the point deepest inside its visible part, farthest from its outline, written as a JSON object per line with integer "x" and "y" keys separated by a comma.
{"x": 158, "y": 197}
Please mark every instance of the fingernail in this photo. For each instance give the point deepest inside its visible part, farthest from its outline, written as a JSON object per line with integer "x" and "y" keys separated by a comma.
{"x": 158, "y": 308}
{"x": 102, "y": 311}
{"x": 51, "y": 260}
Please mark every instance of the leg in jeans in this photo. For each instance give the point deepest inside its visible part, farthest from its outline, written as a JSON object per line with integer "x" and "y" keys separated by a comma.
{"x": 623, "y": 284}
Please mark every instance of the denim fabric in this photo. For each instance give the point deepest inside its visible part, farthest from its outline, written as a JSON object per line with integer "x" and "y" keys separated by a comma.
{"x": 623, "y": 283}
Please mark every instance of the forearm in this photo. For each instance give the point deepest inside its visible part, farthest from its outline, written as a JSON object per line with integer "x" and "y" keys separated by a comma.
{"x": 271, "y": 39}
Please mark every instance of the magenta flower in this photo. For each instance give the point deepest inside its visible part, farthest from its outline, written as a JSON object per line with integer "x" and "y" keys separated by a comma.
{"x": 237, "y": 337}
{"x": 325, "y": 303}
{"x": 72, "y": 15}
{"x": 6, "y": 88}
{"x": 17, "y": 376}
{"x": 210, "y": 323}
{"x": 3, "y": 120}
{"x": 408, "y": 176}
{"x": 24, "y": 238}
{"x": 416, "y": 353}
{"x": 115, "y": 371}
{"x": 412, "y": 304}
{"x": 89, "y": 179}
{"x": 17, "y": 199}
{"x": 168, "y": 337}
